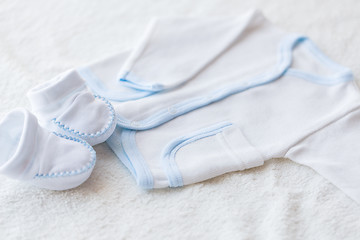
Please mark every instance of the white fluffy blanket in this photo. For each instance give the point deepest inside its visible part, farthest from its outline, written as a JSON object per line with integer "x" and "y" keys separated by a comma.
{"x": 280, "y": 200}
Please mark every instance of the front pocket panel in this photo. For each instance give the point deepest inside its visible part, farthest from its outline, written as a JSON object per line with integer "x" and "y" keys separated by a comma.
{"x": 207, "y": 153}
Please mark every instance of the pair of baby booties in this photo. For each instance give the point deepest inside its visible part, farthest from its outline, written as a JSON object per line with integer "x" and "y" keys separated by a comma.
{"x": 52, "y": 148}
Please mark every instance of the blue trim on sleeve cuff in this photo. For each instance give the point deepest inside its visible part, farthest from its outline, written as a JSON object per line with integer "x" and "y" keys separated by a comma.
{"x": 98, "y": 87}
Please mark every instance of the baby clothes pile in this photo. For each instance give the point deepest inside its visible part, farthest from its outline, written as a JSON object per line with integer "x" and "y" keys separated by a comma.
{"x": 197, "y": 98}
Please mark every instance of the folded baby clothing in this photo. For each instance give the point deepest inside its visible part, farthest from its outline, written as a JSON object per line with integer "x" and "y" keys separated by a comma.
{"x": 65, "y": 105}
{"x": 48, "y": 160}
{"x": 197, "y": 98}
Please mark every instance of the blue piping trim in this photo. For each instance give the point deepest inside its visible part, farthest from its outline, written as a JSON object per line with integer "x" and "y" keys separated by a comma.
{"x": 89, "y": 135}
{"x": 128, "y": 153}
{"x": 343, "y": 74}
{"x": 86, "y": 168}
{"x": 168, "y": 156}
{"x": 115, "y": 143}
{"x": 139, "y": 85}
{"x": 325, "y": 59}
{"x": 328, "y": 81}
{"x": 98, "y": 87}
{"x": 282, "y": 66}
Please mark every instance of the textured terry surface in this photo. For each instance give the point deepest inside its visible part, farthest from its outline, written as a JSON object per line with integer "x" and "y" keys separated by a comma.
{"x": 280, "y": 200}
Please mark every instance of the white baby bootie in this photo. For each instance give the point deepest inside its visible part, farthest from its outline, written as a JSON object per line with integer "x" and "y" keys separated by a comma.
{"x": 34, "y": 154}
{"x": 65, "y": 105}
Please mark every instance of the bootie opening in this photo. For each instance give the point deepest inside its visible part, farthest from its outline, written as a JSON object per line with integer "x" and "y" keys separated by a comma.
{"x": 55, "y": 90}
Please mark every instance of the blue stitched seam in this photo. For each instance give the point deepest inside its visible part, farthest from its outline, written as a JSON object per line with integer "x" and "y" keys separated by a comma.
{"x": 73, "y": 172}
{"x": 323, "y": 58}
{"x": 97, "y": 86}
{"x": 132, "y": 81}
{"x": 90, "y": 135}
{"x": 168, "y": 156}
{"x": 115, "y": 145}
{"x": 344, "y": 74}
{"x": 319, "y": 80}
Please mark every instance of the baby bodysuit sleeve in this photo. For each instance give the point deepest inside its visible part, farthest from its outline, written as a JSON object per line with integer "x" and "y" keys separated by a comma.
{"x": 174, "y": 50}
{"x": 334, "y": 152}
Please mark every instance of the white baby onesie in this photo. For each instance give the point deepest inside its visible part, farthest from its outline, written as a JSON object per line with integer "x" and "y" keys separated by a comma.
{"x": 211, "y": 96}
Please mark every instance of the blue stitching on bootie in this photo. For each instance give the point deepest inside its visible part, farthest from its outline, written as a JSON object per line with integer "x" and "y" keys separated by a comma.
{"x": 90, "y": 135}
{"x": 83, "y": 169}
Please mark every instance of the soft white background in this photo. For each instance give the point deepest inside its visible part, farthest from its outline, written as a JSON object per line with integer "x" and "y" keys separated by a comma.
{"x": 280, "y": 200}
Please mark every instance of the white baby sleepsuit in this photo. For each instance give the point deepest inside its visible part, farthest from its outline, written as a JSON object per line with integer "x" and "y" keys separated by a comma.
{"x": 197, "y": 98}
